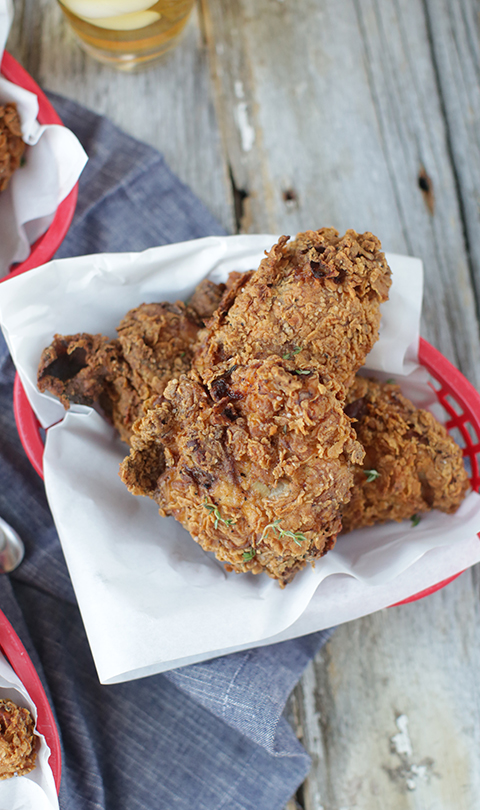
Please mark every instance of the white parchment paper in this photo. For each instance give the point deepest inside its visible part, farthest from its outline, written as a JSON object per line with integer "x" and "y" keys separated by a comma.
{"x": 37, "y": 788}
{"x": 150, "y": 597}
{"x": 54, "y": 160}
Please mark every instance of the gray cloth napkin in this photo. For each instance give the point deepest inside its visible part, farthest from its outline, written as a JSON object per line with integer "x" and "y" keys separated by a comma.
{"x": 206, "y": 737}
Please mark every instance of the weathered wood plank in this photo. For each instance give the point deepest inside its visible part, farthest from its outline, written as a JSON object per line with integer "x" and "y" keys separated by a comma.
{"x": 453, "y": 29}
{"x": 169, "y": 106}
{"x": 418, "y": 662}
{"x": 403, "y": 79}
{"x": 332, "y": 116}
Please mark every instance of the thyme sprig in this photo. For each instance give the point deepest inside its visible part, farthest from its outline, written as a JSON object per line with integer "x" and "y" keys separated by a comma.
{"x": 297, "y": 537}
{"x": 215, "y": 513}
{"x": 372, "y": 475}
{"x": 249, "y": 555}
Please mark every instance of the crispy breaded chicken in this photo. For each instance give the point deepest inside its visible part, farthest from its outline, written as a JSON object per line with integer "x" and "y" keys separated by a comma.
{"x": 206, "y": 297}
{"x": 245, "y": 440}
{"x": 18, "y": 744}
{"x": 251, "y": 451}
{"x": 260, "y": 476}
{"x": 411, "y": 464}
{"x": 313, "y": 302}
{"x": 12, "y": 146}
{"x": 154, "y": 344}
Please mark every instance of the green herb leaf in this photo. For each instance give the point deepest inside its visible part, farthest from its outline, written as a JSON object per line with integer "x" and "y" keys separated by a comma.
{"x": 297, "y": 349}
{"x": 371, "y": 475}
{"x": 249, "y": 555}
{"x": 415, "y": 520}
{"x": 298, "y": 537}
{"x": 390, "y": 381}
{"x": 302, "y": 371}
{"x": 215, "y": 513}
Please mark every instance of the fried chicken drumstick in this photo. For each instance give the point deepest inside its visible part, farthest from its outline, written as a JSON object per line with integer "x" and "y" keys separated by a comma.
{"x": 251, "y": 450}
{"x": 411, "y": 464}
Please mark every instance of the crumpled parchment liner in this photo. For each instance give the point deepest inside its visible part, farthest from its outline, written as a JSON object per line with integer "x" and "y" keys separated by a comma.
{"x": 54, "y": 160}
{"x": 150, "y": 597}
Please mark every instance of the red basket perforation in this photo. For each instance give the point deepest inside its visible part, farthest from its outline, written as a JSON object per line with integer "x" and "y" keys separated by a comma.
{"x": 466, "y": 417}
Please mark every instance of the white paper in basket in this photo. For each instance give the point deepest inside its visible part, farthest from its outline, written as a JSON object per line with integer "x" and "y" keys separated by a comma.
{"x": 37, "y": 788}
{"x": 150, "y": 597}
{"x": 54, "y": 160}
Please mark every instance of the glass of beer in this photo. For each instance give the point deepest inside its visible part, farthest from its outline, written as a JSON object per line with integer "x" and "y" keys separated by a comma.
{"x": 127, "y": 34}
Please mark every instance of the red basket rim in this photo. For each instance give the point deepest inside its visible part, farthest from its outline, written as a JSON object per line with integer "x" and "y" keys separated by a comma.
{"x": 18, "y": 658}
{"x": 48, "y": 243}
{"x": 437, "y": 365}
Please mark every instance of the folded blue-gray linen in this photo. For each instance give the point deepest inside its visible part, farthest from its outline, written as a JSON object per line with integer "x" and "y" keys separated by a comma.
{"x": 210, "y": 736}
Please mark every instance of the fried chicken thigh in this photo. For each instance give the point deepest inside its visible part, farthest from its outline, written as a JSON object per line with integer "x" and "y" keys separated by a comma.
{"x": 251, "y": 451}
{"x": 411, "y": 464}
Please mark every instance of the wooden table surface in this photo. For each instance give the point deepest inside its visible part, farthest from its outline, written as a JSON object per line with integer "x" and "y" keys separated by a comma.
{"x": 284, "y": 115}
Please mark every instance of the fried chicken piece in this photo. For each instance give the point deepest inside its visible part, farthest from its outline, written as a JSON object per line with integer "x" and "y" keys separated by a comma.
{"x": 206, "y": 297}
{"x": 251, "y": 451}
{"x": 154, "y": 344}
{"x": 12, "y": 146}
{"x": 17, "y": 740}
{"x": 313, "y": 302}
{"x": 411, "y": 464}
{"x": 259, "y": 476}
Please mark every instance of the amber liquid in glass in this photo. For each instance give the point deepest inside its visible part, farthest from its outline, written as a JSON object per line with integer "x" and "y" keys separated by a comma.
{"x": 135, "y": 48}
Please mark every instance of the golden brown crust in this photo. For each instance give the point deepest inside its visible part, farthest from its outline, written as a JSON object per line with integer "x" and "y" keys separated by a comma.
{"x": 239, "y": 429}
{"x": 313, "y": 301}
{"x": 275, "y": 450}
{"x": 414, "y": 464}
{"x": 12, "y": 146}
{"x": 17, "y": 740}
{"x": 206, "y": 297}
{"x": 251, "y": 451}
{"x": 74, "y": 367}
{"x": 154, "y": 344}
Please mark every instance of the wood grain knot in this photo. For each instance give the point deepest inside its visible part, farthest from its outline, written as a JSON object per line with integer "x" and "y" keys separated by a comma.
{"x": 290, "y": 198}
{"x": 426, "y": 187}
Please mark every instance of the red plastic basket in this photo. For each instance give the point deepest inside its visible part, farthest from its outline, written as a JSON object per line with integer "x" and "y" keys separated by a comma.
{"x": 17, "y": 656}
{"x": 457, "y": 396}
{"x": 46, "y": 245}
{"x": 461, "y": 401}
